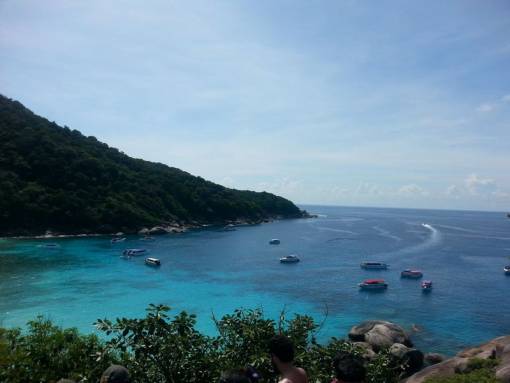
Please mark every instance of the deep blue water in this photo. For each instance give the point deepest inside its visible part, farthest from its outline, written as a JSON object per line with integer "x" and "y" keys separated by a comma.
{"x": 211, "y": 271}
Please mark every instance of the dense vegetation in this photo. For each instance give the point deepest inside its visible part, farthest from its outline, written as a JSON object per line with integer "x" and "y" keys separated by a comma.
{"x": 56, "y": 178}
{"x": 158, "y": 348}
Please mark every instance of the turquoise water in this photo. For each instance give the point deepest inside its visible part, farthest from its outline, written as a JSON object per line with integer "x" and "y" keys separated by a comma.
{"x": 211, "y": 271}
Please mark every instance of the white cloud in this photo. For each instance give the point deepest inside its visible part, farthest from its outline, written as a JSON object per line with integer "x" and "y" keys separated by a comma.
{"x": 486, "y": 107}
{"x": 477, "y": 185}
{"x": 412, "y": 190}
{"x": 453, "y": 191}
{"x": 366, "y": 188}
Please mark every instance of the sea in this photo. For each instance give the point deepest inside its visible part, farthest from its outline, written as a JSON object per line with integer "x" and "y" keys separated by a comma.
{"x": 212, "y": 272}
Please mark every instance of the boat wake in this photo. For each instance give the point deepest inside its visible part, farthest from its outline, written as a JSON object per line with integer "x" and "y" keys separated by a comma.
{"x": 433, "y": 240}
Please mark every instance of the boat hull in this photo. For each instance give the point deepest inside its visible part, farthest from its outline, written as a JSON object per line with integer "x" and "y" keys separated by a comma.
{"x": 382, "y": 286}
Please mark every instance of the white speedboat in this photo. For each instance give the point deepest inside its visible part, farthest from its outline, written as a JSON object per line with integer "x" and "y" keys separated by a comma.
{"x": 152, "y": 261}
{"x": 426, "y": 286}
{"x": 134, "y": 252}
{"x": 374, "y": 265}
{"x": 117, "y": 240}
{"x": 413, "y": 274}
{"x": 506, "y": 269}
{"x": 274, "y": 241}
{"x": 373, "y": 284}
{"x": 289, "y": 259}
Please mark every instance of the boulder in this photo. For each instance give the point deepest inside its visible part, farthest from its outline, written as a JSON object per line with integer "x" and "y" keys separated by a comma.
{"x": 379, "y": 334}
{"x": 443, "y": 369}
{"x": 157, "y": 230}
{"x": 434, "y": 358}
{"x": 411, "y": 358}
{"x": 143, "y": 231}
{"x": 503, "y": 373}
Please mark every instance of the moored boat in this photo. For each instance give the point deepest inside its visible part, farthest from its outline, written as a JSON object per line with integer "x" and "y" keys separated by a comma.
{"x": 414, "y": 274}
{"x": 274, "y": 241}
{"x": 289, "y": 259}
{"x": 426, "y": 286}
{"x": 134, "y": 252}
{"x": 374, "y": 265}
{"x": 373, "y": 284}
{"x": 152, "y": 261}
{"x": 506, "y": 269}
{"x": 117, "y": 240}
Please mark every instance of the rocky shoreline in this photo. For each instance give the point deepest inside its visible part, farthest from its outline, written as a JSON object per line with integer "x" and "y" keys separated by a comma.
{"x": 375, "y": 336}
{"x": 161, "y": 229}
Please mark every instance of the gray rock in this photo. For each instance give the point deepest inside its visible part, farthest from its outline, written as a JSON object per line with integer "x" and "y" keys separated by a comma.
{"x": 443, "y": 369}
{"x": 379, "y": 334}
{"x": 143, "y": 231}
{"x": 368, "y": 353}
{"x": 434, "y": 358}
{"x": 158, "y": 230}
{"x": 503, "y": 373}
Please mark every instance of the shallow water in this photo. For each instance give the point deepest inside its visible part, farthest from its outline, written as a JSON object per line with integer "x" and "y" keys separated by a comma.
{"x": 212, "y": 271}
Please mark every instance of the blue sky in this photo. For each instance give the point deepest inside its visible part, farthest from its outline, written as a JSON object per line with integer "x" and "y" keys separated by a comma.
{"x": 372, "y": 103}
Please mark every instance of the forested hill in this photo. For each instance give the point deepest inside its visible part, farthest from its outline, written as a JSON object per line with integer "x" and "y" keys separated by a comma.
{"x": 55, "y": 178}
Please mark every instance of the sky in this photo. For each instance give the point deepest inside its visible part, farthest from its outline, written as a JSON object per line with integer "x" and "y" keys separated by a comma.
{"x": 355, "y": 103}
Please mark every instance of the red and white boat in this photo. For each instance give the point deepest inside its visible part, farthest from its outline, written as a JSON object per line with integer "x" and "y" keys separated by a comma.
{"x": 373, "y": 284}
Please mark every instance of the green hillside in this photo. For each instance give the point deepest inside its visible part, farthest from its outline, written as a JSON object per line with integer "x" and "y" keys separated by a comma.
{"x": 55, "y": 178}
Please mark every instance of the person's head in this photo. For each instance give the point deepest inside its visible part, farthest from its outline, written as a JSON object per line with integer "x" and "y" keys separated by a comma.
{"x": 281, "y": 350}
{"x": 349, "y": 368}
{"x": 115, "y": 374}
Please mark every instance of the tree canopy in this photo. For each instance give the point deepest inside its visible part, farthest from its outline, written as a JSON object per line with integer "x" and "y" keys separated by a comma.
{"x": 55, "y": 178}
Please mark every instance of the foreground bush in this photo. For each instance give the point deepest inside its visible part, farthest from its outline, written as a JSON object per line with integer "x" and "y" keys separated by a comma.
{"x": 158, "y": 348}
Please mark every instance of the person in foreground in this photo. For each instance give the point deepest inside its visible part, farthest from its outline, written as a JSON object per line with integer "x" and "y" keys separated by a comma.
{"x": 282, "y": 357}
{"x": 348, "y": 368}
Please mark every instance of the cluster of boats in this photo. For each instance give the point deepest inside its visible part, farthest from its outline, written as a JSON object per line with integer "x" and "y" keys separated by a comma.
{"x": 150, "y": 261}
{"x": 292, "y": 258}
{"x": 380, "y": 284}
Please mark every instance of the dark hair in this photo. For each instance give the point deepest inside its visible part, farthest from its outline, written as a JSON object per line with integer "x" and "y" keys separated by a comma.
{"x": 349, "y": 367}
{"x": 234, "y": 376}
{"x": 282, "y": 347}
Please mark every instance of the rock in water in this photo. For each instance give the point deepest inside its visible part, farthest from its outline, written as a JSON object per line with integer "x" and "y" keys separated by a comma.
{"x": 379, "y": 334}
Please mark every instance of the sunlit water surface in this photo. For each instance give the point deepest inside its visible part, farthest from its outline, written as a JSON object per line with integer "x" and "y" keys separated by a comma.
{"x": 213, "y": 271}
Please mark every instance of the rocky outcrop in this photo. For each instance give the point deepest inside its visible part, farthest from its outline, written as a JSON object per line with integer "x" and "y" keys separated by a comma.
{"x": 497, "y": 349}
{"x": 434, "y": 358}
{"x": 379, "y": 334}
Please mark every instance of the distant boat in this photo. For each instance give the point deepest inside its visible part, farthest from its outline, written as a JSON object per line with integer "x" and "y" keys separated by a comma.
{"x": 117, "y": 240}
{"x": 506, "y": 269}
{"x": 426, "y": 286}
{"x": 134, "y": 252}
{"x": 374, "y": 265}
{"x": 152, "y": 261}
{"x": 414, "y": 274}
{"x": 49, "y": 246}
{"x": 290, "y": 259}
{"x": 274, "y": 241}
{"x": 373, "y": 284}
